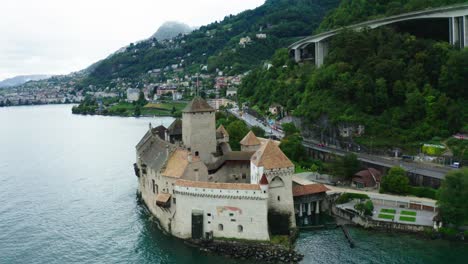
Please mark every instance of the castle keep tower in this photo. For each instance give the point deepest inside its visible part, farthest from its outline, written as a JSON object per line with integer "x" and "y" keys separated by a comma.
{"x": 198, "y": 129}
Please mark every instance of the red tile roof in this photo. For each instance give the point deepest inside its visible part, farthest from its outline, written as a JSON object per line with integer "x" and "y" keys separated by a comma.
{"x": 366, "y": 177}
{"x": 263, "y": 180}
{"x": 250, "y": 140}
{"x": 301, "y": 190}
{"x": 270, "y": 157}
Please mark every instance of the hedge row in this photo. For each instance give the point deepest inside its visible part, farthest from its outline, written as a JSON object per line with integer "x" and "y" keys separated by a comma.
{"x": 423, "y": 192}
{"x": 346, "y": 197}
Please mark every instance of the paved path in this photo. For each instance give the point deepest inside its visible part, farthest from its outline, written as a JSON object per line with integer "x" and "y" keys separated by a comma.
{"x": 423, "y": 218}
{"x": 429, "y": 170}
{"x": 253, "y": 121}
{"x": 373, "y": 194}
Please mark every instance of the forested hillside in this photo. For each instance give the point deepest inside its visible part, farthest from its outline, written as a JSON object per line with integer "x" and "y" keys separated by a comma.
{"x": 217, "y": 44}
{"x": 353, "y": 11}
{"x": 403, "y": 89}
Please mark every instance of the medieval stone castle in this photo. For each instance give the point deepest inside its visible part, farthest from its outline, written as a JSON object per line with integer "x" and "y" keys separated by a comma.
{"x": 197, "y": 187}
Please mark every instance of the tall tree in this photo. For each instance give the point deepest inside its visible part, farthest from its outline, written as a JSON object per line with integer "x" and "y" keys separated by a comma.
{"x": 453, "y": 197}
{"x": 395, "y": 181}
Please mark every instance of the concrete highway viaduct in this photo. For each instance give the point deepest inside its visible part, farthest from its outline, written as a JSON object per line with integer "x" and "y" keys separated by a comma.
{"x": 454, "y": 19}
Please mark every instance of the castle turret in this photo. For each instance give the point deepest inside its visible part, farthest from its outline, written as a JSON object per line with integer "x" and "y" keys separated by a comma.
{"x": 222, "y": 135}
{"x": 198, "y": 129}
{"x": 270, "y": 162}
{"x": 250, "y": 142}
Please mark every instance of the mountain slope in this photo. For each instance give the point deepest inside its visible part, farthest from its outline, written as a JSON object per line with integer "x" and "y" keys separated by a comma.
{"x": 217, "y": 44}
{"x": 21, "y": 79}
{"x": 171, "y": 29}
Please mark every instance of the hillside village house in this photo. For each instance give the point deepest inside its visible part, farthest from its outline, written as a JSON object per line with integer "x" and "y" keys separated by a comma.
{"x": 199, "y": 188}
{"x": 133, "y": 94}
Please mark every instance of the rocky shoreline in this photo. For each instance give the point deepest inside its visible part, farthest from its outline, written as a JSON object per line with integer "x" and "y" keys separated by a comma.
{"x": 262, "y": 252}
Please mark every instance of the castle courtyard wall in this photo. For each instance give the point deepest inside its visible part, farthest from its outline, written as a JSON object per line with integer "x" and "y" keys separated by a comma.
{"x": 230, "y": 208}
{"x": 232, "y": 172}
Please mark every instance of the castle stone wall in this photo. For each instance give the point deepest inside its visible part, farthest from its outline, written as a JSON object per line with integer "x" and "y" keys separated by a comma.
{"x": 232, "y": 170}
{"x": 280, "y": 192}
{"x": 227, "y": 213}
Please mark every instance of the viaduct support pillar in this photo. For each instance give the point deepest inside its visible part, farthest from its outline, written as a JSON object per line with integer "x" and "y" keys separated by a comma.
{"x": 458, "y": 35}
{"x": 321, "y": 50}
{"x": 297, "y": 55}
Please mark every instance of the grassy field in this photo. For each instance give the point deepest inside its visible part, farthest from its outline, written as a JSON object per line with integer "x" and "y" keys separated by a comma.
{"x": 165, "y": 108}
{"x": 407, "y": 219}
{"x": 411, "y": 213}
{"x": 386, "y": 216}
{"x": 159, "y": 109}
{"x": 388, "y": 211}
{"x": 168, "y": 106}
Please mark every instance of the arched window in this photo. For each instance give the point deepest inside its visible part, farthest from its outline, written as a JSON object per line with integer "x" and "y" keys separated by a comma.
{"x": 220, "y": 227}
{"x": 279, "y": 198}
{"x": 196, "y": 153}
{"x": 240, "y": 228}
{"x": 276, "y": 182}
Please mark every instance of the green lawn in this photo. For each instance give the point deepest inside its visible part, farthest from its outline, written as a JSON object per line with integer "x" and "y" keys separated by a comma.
{"x": 386, "y": 216}
{"x": 388, "y": 211}
{"x": 403, "y": 212}
{"x": 167, "y": 106}
{"x": 407, "y": 218}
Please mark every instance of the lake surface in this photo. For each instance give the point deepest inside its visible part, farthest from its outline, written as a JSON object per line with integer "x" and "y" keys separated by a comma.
{"x": 68, "y": 195}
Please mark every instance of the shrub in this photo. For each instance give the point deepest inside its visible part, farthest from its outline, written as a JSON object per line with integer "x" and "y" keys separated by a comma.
{"x": 346, "y": 197}
{"x": 423, "y": 192}
{"x": 365, "y": 208}
{"x": 448, "y": 232}
{"x": 395, "y": 181}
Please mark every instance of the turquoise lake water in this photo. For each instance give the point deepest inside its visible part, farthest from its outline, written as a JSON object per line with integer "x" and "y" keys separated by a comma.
{"x": 68, "y": 195}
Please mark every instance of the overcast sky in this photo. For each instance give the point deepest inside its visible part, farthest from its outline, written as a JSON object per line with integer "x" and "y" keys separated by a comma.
{"x": 61, "y": 36}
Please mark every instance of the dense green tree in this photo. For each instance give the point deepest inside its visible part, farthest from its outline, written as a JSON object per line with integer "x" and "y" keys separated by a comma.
{"x": 289, "y": 129}
{"x": 137, "y": 110}
{"x": 293, "y": 148}
{"x": 346, "y": 166}
{"x": 237, "y": 130}
{"x": 141, "y": 99}
{"x": 395, "y": 181}
{"x": 258, "y": 131}
{"x": 454, "y": 77}
{"x": 365, "y": 208}
{"x": 453, "y": 197}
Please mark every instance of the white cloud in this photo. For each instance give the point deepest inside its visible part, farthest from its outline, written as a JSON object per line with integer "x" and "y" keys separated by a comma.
{"x": 61, "y": 36}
